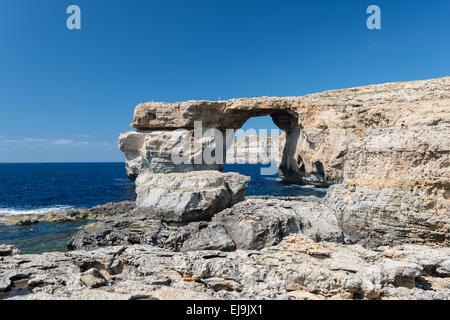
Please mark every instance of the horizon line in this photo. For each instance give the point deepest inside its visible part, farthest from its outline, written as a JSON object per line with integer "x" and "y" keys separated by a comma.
{"x": 54, "y": 162}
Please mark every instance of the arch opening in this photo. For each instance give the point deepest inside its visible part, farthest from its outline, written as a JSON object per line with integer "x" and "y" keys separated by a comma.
{"x": 258, "y": 138}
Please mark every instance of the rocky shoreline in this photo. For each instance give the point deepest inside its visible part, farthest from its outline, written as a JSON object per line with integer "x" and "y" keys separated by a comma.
{"x": 100, "y": 212}
{"x": 381, "y": 232}
{"x": 260, "y": 248}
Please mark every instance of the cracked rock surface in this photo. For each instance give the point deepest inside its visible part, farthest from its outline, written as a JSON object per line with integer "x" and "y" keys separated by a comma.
{"x": 296, "y": 268}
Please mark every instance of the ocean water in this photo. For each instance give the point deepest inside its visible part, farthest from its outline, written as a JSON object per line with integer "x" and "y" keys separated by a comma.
{"x": 43, "y": 187}
{"x": 41, "y": 237}
{"x": 272, "y": 185}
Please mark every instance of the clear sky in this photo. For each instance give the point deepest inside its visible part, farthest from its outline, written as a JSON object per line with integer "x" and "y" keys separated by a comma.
{"x": 66, "y": 95}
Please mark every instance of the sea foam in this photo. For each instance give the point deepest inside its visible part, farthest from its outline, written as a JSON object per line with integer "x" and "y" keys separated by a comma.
{"x": 19, "y": 211}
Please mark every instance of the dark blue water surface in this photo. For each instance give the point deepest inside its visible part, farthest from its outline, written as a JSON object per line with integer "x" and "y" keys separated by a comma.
{"x": 271, "y": 185}
{"x": 39, "y": 188}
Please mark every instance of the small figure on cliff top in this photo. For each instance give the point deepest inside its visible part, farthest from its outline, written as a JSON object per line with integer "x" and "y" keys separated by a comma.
{"x": 403, "y": 125}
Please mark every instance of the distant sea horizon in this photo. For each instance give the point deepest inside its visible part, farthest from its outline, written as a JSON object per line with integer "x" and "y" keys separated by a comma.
{"x": 39, "y": 187}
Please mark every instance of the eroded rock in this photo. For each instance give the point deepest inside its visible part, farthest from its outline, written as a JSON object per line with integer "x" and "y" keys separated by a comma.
{"x": 152, "y": 151}
{"x": 260, "y": 223}
{"x": 191, "y": 237}
{"x": 385, "y": 216}
{"x": 318, "y": 129}
{"x": 93, "y": 278}
{"x": 8, "y": 250}
{"x": 200, "y": 236}
{"x": 111, "y": 210}
{"x": 388, "y": 143}
{"x": 119, "y": 232}
{"x": 185, "y": 197}
{"x": 296, "y": 268}
{"x": 252, "y": 224}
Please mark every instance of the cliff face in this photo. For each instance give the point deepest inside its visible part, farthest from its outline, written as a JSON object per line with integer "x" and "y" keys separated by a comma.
{"x": 335, "y": 122}
{"x": 318, "y": 128}
{"x": 385, "y": 146}
{"x": 253, "y": 149}
{"x": 396, "y": 186}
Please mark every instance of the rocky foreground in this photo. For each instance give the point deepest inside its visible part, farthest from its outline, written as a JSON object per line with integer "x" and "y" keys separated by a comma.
{"x": 296, "y": 268}
{"x": 261, "y": 248}
{"x": 110, "y": 210}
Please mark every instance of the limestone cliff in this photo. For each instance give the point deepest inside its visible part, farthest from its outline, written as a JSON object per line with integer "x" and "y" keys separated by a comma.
{"x": 318, "y": 128}
{"x": 386, "y": 146}
{"x": 253, "y": 149}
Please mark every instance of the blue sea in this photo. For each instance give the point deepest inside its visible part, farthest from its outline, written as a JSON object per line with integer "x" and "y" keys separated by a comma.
{"x": 42, "y": 187}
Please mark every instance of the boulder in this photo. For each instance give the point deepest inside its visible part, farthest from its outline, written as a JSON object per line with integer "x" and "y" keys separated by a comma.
{"x": 5, "y": 284}
{"x": 258, "y": 223}
{"x": 191, "y": 196}
{"x": 401, "y": 273}
{"x": 200, "y": 236}
{"x": 8, "y": 250}
{"x": 443, "y": 269}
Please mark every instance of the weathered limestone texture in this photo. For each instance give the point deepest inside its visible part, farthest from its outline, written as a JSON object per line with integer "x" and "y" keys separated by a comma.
{"x": 151, "y": 151}
{"x": 381, "y": 232}
{"x": 383, "y": 216}
{"x": 297, "y": 268}
{"x": 397, "y": 187}
{"x": 386, "y": 146}
{"x": 186, "y": 197}
{"x": 256, "y": 223}
{"x": 318, "y": 128}
{"x": 416, "y": 157}
{"x": 253, "y": 224}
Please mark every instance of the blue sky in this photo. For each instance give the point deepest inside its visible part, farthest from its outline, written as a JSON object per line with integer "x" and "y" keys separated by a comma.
{"x": 67, "y": 95}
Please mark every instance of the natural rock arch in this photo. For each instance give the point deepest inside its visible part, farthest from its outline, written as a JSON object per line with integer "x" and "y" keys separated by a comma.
{"x": 155, "y": 120}
{"x": 380, "y": 144}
